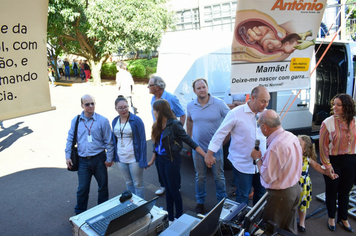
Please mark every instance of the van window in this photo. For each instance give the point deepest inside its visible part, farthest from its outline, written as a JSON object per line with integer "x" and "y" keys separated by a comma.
{"x": 331, "y": 79}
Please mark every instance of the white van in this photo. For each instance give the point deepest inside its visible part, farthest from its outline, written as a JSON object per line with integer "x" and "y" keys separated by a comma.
{"x": 187, "y": 55}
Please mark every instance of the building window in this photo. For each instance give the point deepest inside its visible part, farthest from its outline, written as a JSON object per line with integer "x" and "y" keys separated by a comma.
{"x": 220, "y": 16}
{"x": 187, "y": 19}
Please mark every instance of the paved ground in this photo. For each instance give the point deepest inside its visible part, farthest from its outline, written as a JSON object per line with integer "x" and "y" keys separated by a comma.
{"x": 37, "y": 193}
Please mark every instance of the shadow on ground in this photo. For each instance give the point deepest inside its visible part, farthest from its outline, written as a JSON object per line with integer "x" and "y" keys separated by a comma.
{"x": 9, "y": 135}
{"x": 37, "y": 202}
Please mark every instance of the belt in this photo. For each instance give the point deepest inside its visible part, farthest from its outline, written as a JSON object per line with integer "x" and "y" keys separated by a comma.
{"x": 91, "y": 157}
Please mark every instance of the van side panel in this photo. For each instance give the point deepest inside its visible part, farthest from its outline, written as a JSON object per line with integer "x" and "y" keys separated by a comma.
{"x": 299, "y": 116}
{"x": 219, "y": 73}
{"x": 187, "y": 55}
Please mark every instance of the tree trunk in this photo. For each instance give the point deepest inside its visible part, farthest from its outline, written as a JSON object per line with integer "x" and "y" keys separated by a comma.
{"x": 95, "y": 71}
{"x": 54, "y": 64}
{"x": 57, "y": 75}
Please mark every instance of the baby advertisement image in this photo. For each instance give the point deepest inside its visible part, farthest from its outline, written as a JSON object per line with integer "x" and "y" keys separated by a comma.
{"x": 273, "y": 44}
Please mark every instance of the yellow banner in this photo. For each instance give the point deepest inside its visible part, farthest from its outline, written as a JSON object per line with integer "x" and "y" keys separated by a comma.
{"x": 299, "y": 64}
{"x": 24, "y": 87}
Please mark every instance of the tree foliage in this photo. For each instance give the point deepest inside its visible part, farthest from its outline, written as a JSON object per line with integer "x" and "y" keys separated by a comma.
{"x": 94, "y": 29}
{"x": 349, "y": 6}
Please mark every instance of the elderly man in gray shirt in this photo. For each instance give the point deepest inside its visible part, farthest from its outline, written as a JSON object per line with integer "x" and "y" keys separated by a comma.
{"x": 204, "y": 116}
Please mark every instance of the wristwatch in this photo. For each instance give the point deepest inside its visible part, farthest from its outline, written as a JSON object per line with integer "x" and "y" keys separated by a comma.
{"x": 255, "y": 161}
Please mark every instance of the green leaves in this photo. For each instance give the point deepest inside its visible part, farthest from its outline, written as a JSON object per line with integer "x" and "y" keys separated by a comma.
{"x": 95, "y": 29}
{"x": 102, "y": 26}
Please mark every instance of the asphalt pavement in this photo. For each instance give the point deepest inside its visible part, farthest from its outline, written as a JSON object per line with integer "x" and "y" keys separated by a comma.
{"x": 38, "y": 194}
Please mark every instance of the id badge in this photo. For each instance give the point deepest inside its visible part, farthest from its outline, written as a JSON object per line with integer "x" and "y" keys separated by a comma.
{"x": 90, "y": 139}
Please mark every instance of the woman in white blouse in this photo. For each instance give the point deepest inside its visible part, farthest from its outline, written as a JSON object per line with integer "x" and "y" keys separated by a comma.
{"x": 130, "y": 146}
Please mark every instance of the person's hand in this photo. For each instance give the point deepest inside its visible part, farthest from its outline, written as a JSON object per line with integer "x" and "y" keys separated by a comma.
{"x": 150, "y": 163}
{"x": 306, "y": 34}
{"x": 334, "y": 176}
{"x": 331, "y": 173}
{"x": 303, "y": 44}
{"x": 108, "y": 164}
{"x": 69, "y": 163}
{"x": 209, "y": 159}
{"x": 255, "y": 154}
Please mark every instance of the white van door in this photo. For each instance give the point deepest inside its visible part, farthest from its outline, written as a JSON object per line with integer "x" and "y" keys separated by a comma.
{"x": 299, "y": 116}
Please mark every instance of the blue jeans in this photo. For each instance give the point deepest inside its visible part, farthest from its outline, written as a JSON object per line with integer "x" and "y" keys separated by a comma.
{"x": 160, "y": 178}
{"x": 133, "y": 175}
{"x": 82, "y": 74}
{"x": 200, "y": 176}
{"x": 170, "y": 174}
{"x": 159, "y": 175}
{"x": 244, "y": 183}
{"x": 88, "y": 168}
{"x": 75, "y": 72}
{"x": 67, "y": 72}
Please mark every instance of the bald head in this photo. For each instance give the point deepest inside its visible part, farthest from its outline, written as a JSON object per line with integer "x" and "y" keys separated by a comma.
{"x": 270, "y": 118}
{"x": 259, "y": 99}
{"x": 257, "y": 90}
{"x": 88, "y": 105}
{"x": 86, "y": 96}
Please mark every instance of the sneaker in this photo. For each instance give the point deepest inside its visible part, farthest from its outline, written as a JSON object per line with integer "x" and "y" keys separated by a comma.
{"x": 160, "y": 191}
{"x": 199, "y": 209}
{"x": 171, "y": 222}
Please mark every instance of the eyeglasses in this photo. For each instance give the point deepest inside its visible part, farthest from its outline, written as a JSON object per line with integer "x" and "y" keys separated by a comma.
{"x": 122, "y": 108}
{"x": 150, "y": 85}
{"x": 89, "y": 103}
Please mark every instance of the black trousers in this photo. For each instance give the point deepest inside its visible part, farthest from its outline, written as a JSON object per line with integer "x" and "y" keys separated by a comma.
{"x": 339, "y": 188}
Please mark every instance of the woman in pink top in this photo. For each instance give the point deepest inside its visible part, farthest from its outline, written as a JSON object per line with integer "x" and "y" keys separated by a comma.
{"x": 337, "y": 153}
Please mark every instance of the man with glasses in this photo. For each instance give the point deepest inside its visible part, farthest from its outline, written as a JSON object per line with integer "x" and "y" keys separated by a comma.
{"x": 93, "y": 138}
{"x": 204, "y": 116}
{"x": 156, "y": 86}
{"x": 280, "y": 167}
{"x": 241, "y": 122}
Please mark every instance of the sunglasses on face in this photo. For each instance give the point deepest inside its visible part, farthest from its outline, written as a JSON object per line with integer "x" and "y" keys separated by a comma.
{"x": 89, "y": 103}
